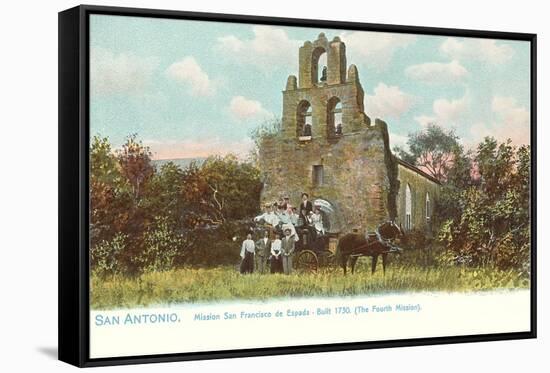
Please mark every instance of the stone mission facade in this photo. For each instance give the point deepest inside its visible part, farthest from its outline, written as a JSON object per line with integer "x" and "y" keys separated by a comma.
{"x": 329, "y": 148}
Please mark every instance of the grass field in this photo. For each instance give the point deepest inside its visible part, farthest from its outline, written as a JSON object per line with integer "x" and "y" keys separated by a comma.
{"x": 225, "y": 283}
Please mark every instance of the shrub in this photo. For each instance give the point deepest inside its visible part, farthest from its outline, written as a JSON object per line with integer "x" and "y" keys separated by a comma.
{"x": 415, "y": 239}
{"x": 216, "y": 245}
{"x": 161, "y": 246}
{"x": 419, "y": 250}
{"x": 513, "y": 252}
{"x": 105, "y": 256}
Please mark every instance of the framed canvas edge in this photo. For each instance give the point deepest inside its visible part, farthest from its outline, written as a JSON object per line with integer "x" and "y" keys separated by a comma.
{"x": 73, "y": 105}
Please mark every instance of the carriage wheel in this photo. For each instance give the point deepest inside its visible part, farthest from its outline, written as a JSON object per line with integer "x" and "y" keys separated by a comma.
{"x": 307, "y": 261}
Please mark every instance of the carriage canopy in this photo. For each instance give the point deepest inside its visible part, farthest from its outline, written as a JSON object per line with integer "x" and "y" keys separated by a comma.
{"x": 332, "y": 220}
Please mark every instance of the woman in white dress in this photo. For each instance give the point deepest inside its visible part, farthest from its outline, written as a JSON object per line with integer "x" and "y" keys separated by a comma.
{"x": 316, "y": 220}
{"x": 285, "y": 217}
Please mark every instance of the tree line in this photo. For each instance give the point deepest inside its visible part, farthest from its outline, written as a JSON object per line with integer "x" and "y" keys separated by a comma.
{"x": 483, "y": 209}
{"x": 148, "y": 217}
{"x": 144, "y": 217}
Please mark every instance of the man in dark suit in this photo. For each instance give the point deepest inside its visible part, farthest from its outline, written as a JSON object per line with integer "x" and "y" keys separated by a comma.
{"x": 263, "y": 250}
{"x": 288, "y": 246}
{"x": 305, "y": 208}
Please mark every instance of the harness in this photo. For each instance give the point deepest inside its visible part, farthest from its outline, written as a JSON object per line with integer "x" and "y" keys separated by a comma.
{"x": 383, "y": 241}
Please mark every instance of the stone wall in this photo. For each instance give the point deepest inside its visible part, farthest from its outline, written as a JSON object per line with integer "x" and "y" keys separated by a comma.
{"x": 309, "y": 55}
{"x": 350, "y": 95}
{"x": 361, "y": 177}
{"x": 357, "y": 177}
{"x": 420, "y": 186}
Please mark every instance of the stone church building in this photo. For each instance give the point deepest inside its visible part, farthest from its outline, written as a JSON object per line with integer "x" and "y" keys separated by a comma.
{"x": 329, "y": 148}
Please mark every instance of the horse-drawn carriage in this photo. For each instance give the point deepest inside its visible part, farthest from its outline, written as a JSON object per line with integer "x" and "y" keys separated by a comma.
{"x": 332, "y": 249}
{"x": 315, "y": 251}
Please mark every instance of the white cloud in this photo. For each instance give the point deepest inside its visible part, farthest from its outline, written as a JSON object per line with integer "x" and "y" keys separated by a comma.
{"x": 243, "y": 108}
{"x": 437, "y": 72}
{"x": 269, "y": 49}
{"x": 446, "y": 113}
{"x": 486, "y": 50}
{"x": 511, "y": 114}
{"x": 189, "y": 72}
{"x": 424, "y": 120}
{"x": 450, "y": 111}
{"x": 231, "y": 44}
{"x": 510, "y": 120}
{"x": 122, "y": 73}
{"x": 388, "y": 102}
{"x": 399, "y": 140}
{"x": 374, "y": 49}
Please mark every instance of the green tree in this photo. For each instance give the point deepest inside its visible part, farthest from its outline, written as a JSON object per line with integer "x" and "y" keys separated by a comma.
{"x": 105, "y": 256}
{"x": 135, "y": 163}
{"x": 164, "y": 195}
{"x": 110, "y": 195}
{"x": 439, "y": 152}
{"x": 161, "y": 246}
{"x": 270, "y": 128}
{"x": 233, "y": 188}
{"x": 492, "y": 226}
{"x": 433, "y": 149}
{"x": 143, "y": 218}
{"x": 458, "y": 178}
{"x": 103, "y": 164}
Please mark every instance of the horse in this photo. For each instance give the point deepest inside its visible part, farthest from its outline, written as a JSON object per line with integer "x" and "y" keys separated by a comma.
{"x": 354, "y": 245}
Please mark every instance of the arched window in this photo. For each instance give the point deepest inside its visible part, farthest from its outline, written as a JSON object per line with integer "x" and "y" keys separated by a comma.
{"x": 304, "y": 120}
{"x": 318, "y": 62}
{"x": 408, "y": 208}
{"x": 428, "y": 208}
{"x": 334, "y": 117}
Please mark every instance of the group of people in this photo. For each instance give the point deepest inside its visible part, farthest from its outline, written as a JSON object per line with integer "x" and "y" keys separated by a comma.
{"x": 278, "y": 244}
{"x": 282, "y": 215}
{"x": 279, "y": 252}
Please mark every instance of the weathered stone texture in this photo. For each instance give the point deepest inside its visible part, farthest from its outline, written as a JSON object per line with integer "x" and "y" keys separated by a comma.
{"x": 309, "y": 57}
{"x": 420, "y": 186}
{"x": 355, "y": 179}
{"x": 360, "y": 172}
{"x": 349, "y": 94}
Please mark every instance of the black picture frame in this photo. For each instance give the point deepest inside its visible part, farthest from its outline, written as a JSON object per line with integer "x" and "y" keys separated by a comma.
{"x": 74, "y": 140}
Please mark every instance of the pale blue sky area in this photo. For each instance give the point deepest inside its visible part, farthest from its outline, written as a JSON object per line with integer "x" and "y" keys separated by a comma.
{"x": 192, "y": 88}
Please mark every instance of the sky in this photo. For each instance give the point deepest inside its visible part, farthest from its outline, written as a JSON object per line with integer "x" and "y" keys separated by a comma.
{"x": 194, "y": 88}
